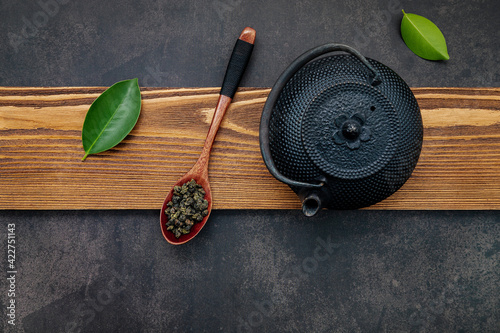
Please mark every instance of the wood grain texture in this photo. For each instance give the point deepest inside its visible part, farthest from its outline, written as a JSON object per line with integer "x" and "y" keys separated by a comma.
{"x": 40, "y": 151}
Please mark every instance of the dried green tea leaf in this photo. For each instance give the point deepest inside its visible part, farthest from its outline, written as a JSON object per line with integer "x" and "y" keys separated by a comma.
{"x": 423, "y": 37}
{"x": 111, "y": 117}
{"x": 186, "y": 208}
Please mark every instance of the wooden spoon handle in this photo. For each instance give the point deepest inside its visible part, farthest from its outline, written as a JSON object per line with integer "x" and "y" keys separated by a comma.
{"x": 237, "y": 64}
{"x": 235, "y": 69}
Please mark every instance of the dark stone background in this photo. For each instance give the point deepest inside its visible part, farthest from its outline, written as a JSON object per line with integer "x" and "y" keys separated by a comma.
{"x": 247, "y": 271}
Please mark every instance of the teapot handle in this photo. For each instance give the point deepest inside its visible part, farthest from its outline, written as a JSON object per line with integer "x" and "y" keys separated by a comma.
{"x": 323, "y": 49}
{"x": 278, "y": 87}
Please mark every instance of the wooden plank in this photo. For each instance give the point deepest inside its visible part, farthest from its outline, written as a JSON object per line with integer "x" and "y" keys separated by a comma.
{"x": 40, "y": 151}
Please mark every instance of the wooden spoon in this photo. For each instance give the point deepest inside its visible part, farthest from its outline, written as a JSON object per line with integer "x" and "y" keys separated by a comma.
{"x": 199, "y": 172}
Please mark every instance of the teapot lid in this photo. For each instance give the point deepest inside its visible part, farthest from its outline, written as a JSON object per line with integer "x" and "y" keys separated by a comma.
{"x": 350, "y": 130}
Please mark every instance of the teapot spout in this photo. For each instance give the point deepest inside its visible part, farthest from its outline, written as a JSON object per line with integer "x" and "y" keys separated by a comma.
{"x": 311, "y": 204}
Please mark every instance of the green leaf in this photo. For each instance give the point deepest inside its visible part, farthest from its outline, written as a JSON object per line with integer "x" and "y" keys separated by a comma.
{"x": 111, "y": 117}
{"x": 423, "y": 37}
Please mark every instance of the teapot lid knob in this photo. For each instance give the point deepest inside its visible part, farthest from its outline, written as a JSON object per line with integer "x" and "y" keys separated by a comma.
{"x": 351, "y": 129}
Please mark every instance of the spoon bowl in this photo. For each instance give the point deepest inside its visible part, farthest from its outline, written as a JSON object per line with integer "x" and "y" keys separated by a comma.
{"x": 199, "y": 172}
{"x": 200, "y": 178}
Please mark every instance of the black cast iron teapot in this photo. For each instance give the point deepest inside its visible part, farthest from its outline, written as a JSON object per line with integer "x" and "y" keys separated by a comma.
{"x": 343, "y": 131}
